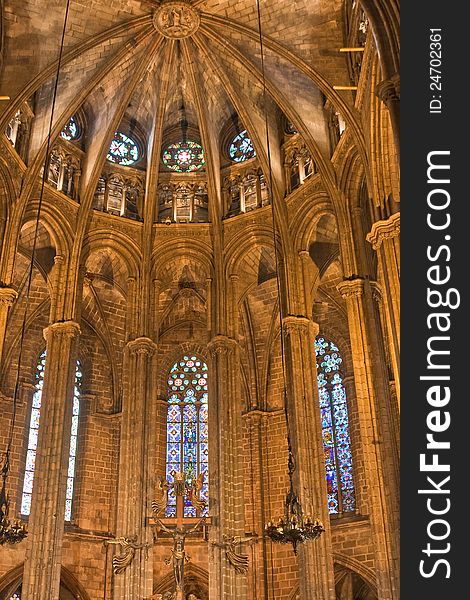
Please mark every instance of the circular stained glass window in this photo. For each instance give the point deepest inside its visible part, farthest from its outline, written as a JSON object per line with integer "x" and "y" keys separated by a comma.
{"x": 184, "y": 157}
{"x": 70, "y": 131}
{"x": 242, "y": 148}
{"x": 123, "y": 150}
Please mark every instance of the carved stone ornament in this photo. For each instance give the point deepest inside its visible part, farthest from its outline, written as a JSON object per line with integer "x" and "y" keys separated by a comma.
{"x": 176, "y": 20}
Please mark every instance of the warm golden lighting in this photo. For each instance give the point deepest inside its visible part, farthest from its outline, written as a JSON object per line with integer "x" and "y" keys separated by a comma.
{"x": 360, "y": 49}
{"x": 343, "y": 88}
{"x": 4, "y": 97}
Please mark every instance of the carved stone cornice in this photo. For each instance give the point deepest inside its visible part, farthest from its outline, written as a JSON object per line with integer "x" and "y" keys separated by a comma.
{"x": 384, "y": 230}
{"x": 351, "y": 288}
{"x": 221, "y": 344}
{"x": 388, "y": 90}
{"x": 293, "y": 324}
{"x": 68, "y": 329}
{"x": 7, "y": 296}
{"x": 142, "y": 345}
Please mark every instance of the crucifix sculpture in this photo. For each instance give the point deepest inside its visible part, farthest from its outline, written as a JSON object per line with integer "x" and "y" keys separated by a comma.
{"x": 179, "y": 526}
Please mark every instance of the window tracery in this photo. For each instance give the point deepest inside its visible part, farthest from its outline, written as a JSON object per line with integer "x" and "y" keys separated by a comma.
{"x": 184, "y": 157}
{"x": 183, "y": 202}
{"x": 187, "y": 427}
{"x": 34, "y": 423}
{"x": 335, "y": 428}
{"x": 64, "y": 171}
{"x": 123, "y": 150}
{"x": 71, "y": 131}
{"x": 241, "y": 147}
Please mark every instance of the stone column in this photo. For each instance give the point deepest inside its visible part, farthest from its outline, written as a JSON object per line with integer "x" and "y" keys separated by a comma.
{"x": 41, "y": 579}
{"x": 315, "y": 559}
{"x": 7, "y": 298}
{"x": 385, "y": 239}
{"x": 226, "y": 466}
{"x": 377, "y": 441}
{"x": 389, "y": 92}
{"x": 133, "y": 492}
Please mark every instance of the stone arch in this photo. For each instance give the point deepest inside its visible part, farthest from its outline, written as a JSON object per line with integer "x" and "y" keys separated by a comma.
{"x": 196, "y": 582}
{"x": 69, "y": 584}
{"x": 173, "y": 356}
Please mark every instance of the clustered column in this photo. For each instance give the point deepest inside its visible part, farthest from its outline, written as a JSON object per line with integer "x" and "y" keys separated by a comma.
{"x": 315, "y": 559}
{"x": 385, "y": 239}
{"x": 226, "y": 473}
{"x": 46, "y": 524}
{"x": 377, "y": 440}
{"x": 136, "y": 581}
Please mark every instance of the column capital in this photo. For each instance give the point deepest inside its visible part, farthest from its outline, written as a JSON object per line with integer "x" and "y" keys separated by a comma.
{"x": 142, "y": 345}
{"x": 305, "y": 255}
{"x": 384, "y": 230}
{"x": 351, "y": 287}
{"x": 388, "y": 90}
{"x": 221, "y": 344}
{"x": 69, "y": 329}
{"x": 293, "y": 324}
{"x": 8, "y": 296}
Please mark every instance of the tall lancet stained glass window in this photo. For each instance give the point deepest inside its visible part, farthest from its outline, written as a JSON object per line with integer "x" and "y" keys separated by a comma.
{"x": 33, "y": 440}
{"x": 335, "y": 428}
{"x": 187, "y": 429}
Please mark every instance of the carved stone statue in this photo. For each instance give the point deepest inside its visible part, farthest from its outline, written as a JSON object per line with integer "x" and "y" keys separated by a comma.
{"x": 128, "y": 546}
{"x": 238, "y": 561}
{"x": 178, "y": 556}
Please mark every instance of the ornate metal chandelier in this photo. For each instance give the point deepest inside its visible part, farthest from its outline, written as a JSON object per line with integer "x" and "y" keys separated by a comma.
{"x": 294, "y": 527}
{"x": 11, "y": 532}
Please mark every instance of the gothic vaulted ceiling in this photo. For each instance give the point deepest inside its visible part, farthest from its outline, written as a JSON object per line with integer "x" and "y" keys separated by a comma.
{"x": 149, "y": 64}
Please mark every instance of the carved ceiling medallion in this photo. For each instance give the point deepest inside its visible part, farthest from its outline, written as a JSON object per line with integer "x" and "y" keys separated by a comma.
{"x": 176, "y": 20}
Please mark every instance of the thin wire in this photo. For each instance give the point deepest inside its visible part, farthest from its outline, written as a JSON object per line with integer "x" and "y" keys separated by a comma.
{"x": 276, "y": 252}
{"x": 36, "y": 231}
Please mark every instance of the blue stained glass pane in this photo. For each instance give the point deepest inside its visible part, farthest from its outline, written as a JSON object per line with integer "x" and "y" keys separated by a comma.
{"x": 187, "y": 422}
{"x": 189, "y": 413}
{"x": 335, "y": 428}
{"x": 123, "y": 150}
{"x": 174, "y": 433}
{"x": 241, "y": 148}
{"x": 174, "y": 414}
{"x": 173, "y": 453}
{"x": 70, "y": 131}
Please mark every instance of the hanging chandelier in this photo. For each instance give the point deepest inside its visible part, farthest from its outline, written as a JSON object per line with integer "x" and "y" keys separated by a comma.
{"x": 11, "y": 532}
{"x": 293, "y": 527}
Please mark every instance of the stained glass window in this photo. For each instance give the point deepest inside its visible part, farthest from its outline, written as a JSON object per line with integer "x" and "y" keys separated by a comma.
{"x": 15, "y": 596}
{"x": 335, "y": 428}
{"x": 184, "y": 157}
{"x": 187, "y": 428}
{"x": 33, "y": 439}
{"x": 70, "y": 131}
{"x": 123, "y": 150}
{"x": 242, "y": 148}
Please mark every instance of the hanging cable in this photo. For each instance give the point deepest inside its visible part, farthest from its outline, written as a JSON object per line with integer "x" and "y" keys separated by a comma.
{"x": 6, "y": 467}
